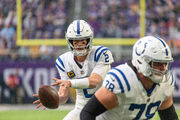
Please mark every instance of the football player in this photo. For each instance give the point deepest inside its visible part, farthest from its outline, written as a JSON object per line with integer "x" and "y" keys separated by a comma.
{"x": 82, "y": 68}
{"x": 137, "y": 89}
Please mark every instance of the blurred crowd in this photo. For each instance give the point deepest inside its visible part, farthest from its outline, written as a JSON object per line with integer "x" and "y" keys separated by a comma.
{"x": 46, "y": 19}
{"x": 41, "y": 19}
{"x": 120, "y": 18}
{"x": 163, "y": 19}
{"x": 114, "y": 18}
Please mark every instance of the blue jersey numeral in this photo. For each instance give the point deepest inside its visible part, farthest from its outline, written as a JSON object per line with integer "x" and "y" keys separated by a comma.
{"x": 86, "y": 94}
{"x": 110, "y": 86}
{"x": 106, "y": 57}
{"x": 142, "y": 107}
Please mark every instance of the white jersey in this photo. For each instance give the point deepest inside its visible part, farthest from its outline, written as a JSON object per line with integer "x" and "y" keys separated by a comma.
{"x": 134, "y": 101}
{"x": 69, "y": 69}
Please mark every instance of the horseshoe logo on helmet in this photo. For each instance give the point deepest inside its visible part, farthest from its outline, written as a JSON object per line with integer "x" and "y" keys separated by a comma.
{"x": 142, "y": 50}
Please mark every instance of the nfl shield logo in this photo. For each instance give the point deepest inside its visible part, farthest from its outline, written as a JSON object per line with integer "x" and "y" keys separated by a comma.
{"x": 82, "y": 72}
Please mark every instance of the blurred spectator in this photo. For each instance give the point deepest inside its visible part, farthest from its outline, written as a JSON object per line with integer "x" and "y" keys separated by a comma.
{"x": 8, "y": 31}
{"x": 4, "y": 52}
{"x": 34, "y": 53}
{"x": 46, "y": 52}
{"x": 20, "y": 89}
{"x": 14, "y": 53}
{"x": 24, "y": 53}
{"x": 94, "y": 22}
{"x": 58, "y": 33}
{"x": 2, "y": 88}
{"x": 13, "y": 83}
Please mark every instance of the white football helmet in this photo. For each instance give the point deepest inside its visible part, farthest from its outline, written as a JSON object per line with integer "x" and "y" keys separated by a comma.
{"x": 151, "y": 49}
{"x": 79, "y": 30}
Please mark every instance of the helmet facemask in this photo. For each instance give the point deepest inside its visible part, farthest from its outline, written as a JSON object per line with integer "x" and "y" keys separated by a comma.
{"x": 80, "y": 51}
{"x": 157, "y": 75}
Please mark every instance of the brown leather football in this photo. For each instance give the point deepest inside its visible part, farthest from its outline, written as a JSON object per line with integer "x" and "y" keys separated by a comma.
{"x": 48, "y": 97}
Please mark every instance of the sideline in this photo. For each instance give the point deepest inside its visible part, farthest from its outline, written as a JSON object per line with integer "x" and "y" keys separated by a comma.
{"x": 4, "y": 107}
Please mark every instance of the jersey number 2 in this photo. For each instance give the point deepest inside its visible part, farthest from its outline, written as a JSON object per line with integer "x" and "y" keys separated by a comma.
{"x": 142, "y": 107}
{"x": 106, "y": 57}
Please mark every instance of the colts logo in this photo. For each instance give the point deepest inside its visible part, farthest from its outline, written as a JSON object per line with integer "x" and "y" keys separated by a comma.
{"x": 71, "y": 74}
{"x": 140, "y": 51}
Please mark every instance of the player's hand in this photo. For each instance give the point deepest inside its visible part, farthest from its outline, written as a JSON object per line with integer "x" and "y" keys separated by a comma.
{"x": 60, "y": 83}
{"x": 38, "y": 102}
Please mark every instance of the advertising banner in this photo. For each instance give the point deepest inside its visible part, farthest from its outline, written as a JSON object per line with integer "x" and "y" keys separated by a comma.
{"x": 33, "y": 74}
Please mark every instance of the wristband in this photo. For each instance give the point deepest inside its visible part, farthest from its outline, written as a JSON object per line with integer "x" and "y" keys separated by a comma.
{"x": 80, "y": 83}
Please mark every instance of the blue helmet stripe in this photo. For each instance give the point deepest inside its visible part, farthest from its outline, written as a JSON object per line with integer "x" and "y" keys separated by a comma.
{"x": 118, "y": 80}
{"x": 163, "y": 44}
{"x": 126, "y": 81}
{"x": 78, "y": 27}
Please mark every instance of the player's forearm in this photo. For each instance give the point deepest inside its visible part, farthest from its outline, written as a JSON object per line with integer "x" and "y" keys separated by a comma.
{"x": 79, "y": 83}
{"x": 62, "y": 99}
{"x": 87, "y": 116}
{"x": 94, "y": 80}
{"x": 92, "y": 109}
{"x": 98, "y": 74}
{"x": 168, "y": 114}
{"x": 88, "y": 82}
{"x": 63, "y": 95}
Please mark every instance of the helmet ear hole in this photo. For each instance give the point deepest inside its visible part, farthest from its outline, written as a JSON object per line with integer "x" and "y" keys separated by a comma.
{"x": 88, "y": 40}
{"x": 139, "y": 62}
{"x": 71, "y": 41}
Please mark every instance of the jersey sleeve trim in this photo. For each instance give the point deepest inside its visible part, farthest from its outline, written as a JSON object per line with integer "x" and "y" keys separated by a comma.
{"x": 173, "y": 82}
{"x": 118, "y": 80}
{"x": 59, "y": 59}
{"x": 124, "y": 77}
{"x": 60, "y": 67}
{"x": 98, "y": 53}
{"x": 60, "y": 64}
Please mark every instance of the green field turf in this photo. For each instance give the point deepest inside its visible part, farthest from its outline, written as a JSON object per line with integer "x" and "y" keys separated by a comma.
{"x": 41, "y": 115}
{"x": 33, "y": 114}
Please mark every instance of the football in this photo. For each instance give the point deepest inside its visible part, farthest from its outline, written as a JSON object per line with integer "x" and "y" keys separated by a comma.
{"x": 48, "y": 97}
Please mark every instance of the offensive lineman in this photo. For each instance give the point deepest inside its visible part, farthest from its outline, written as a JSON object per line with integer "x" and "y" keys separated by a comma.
{"x": 137, "y": 89}
{"x": 82, "y": 68}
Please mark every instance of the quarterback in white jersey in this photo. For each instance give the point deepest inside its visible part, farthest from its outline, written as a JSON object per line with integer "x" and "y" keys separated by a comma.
{"x": 95, "y": 62}
{"x": 137, "y": 89}
{"x": 82, "y": 68}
